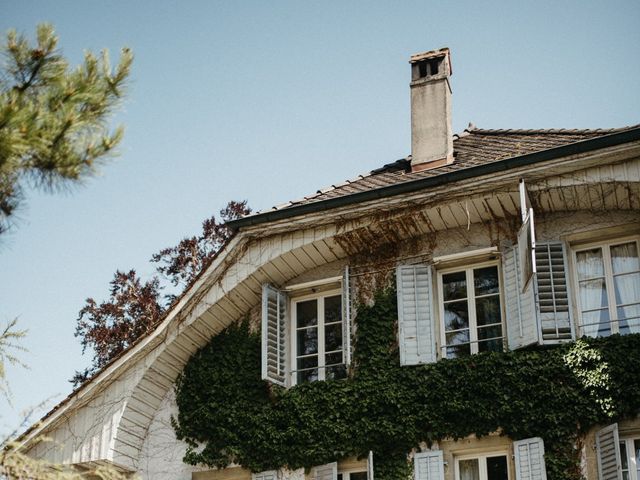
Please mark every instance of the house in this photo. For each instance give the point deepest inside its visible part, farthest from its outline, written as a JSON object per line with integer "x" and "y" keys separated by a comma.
{"x": 423, "y": 319}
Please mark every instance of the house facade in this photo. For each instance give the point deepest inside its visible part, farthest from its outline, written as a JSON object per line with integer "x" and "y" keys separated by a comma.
{"x": 501, "y": 266}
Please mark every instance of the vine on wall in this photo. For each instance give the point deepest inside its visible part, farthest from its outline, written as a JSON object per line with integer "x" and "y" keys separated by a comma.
{"x": 227, "y": 414}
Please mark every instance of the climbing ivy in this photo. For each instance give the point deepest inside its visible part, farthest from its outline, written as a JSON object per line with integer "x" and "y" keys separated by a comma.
{"x": 227, "y": 414}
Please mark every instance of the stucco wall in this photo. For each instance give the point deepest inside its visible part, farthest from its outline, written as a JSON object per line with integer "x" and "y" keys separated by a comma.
{"x": 161, "y": 455}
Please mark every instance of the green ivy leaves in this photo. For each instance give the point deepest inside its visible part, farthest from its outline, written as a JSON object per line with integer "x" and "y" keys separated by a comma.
{"x": 228, "y": 414}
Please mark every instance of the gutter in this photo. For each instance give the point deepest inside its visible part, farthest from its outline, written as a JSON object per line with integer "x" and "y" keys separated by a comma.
{"x": 583, "y": 146}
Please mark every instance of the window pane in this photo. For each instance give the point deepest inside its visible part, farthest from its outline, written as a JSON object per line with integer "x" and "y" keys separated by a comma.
{"x": 495, "y": 331}
{"x": 494, "y": 345}
{"x": 307, "y": 339}
{"x": 596, "y": 323}
{"x": 307, "y": 313}
{"x": 469, "y": 469}
{"x": 333, "y": 337}
{"x": 488, "y": 310}
{"x": 629, "y": 319}
{"x": 459, "y": 351}
{"x": 456, "y": 315}
{"x": 454, "y": 285}
{"x": 358, "y": 476}
{"x": 486, "y": 280}
{"x": 458, "y": 344}
{"x": 336, "y": 372}
{"x": 308, "y": 376}
{"x": 623, "y": 455}
{"x": 333, "y": 358}
{"x": 590, "y": 263}
{"x": 497, "y": 468}
{"x": 333, "y": 309}
{"x": 307, "y": 362}
{"x": 627, "y": 288}
{"x": 624, "y": 258}
{"x": 593, "y": 294}
{"x": 461, "y": 336}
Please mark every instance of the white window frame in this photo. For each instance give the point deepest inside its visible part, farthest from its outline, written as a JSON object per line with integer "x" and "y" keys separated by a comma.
{"x": 605, "y": 247}
{"x": 482, "y": 465}
{"x": 629, "y": 452}
{"x": 293, "y": 357}
{"x": 346, "y": 473}
{"x": 473, "y": 324}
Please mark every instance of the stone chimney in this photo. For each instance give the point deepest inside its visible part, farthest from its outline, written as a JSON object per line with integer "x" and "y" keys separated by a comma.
{"x": 431, "y": 135}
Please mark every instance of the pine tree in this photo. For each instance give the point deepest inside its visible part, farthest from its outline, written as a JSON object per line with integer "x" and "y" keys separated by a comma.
{"x": 53, "y": 119}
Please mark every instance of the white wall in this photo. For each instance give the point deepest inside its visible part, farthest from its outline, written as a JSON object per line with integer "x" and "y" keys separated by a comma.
{"x": 161, "y": 456}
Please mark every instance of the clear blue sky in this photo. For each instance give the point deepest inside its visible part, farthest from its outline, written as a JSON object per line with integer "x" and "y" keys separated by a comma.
{"x": 269, "y": 101}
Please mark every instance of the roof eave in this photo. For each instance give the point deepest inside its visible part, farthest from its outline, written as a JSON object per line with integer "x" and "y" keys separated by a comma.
{"x": 575, "y": 148}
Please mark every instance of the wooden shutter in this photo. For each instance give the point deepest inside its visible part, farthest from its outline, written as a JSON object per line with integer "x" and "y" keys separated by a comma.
{"x": 346, "y": 317}
{"x": 274, "y": 335}
{"x": 608, "y": 453}
{"x": 428, "y": 465}
{"x": 268, "y": 475}
{"x": 328, "y": 471}
{"x": 415, "y": 318}
{"x": 370, "y": 466}
{"x": 529, "y": 459}
{"x": 554, "y": 311}
{"x": 522, "y": 325}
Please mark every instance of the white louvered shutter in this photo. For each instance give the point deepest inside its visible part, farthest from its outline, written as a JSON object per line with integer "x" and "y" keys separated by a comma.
{"x": 415, "y": 319}
{"x": 554, "y": 311}
{"x": 370, "y": 466}
{"x": 268, "y": 475}
{"x": 529, "y": 459}
{"x": 608, "y": 453}
{"x": 428, "y": 465}
{"x": 522, "y": 324}
{"x": 328, "y": 471}
{"x": 346, "y": 317}
{"x": 274, "y": 335}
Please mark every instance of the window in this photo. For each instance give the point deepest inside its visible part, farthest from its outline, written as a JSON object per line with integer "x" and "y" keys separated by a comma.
{"x": 470, "y": 310}
{"x": 630, "y": 458}
{"x": 348, "y": 471}
{"x": 608, "y": 281}
{"x": 317, "y": 342}
{"x": 493, "y": 466}
{"x": 527, "y": 462}
{"x": 306, "y": 331}
{"x": 351, "y": 475}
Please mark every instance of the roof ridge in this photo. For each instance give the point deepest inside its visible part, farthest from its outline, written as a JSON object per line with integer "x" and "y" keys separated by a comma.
{"x": 538, "y": 131}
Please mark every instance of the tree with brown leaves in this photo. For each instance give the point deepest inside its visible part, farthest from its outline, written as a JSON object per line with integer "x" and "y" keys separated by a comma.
{"x": 181, "y": 264}
{"x": 134, "y": 307}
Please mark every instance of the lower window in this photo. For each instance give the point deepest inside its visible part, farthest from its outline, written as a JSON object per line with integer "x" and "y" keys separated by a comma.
{"x": 470, "y": 310}
{"x": 608, "y": 277}
{"x": 630, "y": 458}
{"x": 484, "y": 467}
{"x": 352, "y": 476}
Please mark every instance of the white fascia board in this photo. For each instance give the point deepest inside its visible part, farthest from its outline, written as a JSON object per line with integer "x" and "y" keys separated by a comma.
{"x": 122, "y": 364}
